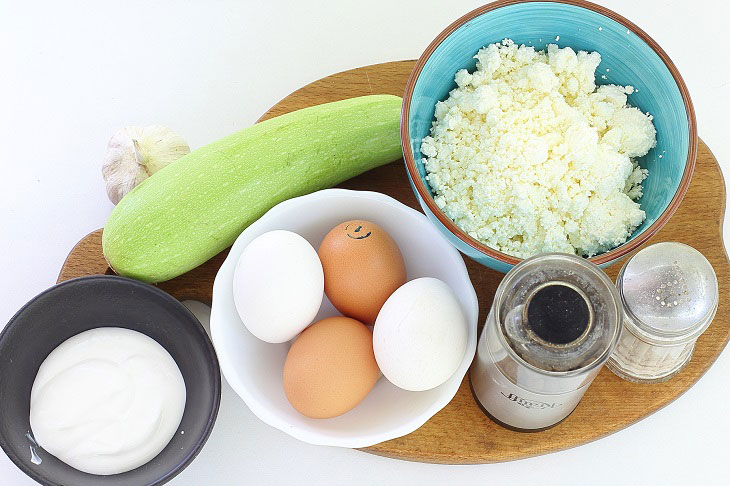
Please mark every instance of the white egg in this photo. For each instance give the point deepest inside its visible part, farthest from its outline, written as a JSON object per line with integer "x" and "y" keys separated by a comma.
{"x": 420, "y": 335}
{"x": 278, "y": 286}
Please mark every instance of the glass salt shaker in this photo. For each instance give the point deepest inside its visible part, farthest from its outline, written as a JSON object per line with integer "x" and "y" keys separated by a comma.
{"x": 670, "y": 295}
{"x": 554, "y": 322}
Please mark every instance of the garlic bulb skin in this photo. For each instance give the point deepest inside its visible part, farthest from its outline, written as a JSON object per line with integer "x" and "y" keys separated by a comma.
{"x": 135, "y": 153}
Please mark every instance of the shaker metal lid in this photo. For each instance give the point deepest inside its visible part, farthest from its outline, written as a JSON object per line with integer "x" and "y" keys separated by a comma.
{"x": 669, "y": 292}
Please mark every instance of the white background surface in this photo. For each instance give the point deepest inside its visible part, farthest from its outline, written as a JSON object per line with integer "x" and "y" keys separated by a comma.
{"x": 73, "y": 73}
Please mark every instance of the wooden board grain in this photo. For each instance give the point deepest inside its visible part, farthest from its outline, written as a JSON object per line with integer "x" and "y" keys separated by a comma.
{"x": 461, "y": 433}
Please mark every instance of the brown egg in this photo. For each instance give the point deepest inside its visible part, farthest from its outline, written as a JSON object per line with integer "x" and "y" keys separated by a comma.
{"x": 330, "y": 367}
{"x": 362, "y": 267}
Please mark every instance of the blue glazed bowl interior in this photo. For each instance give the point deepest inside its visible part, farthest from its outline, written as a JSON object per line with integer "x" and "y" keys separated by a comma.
{"x": 626, "y": 60}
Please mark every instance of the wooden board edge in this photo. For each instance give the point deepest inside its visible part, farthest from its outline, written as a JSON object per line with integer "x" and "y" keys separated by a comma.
{"x": 451, "y": 458}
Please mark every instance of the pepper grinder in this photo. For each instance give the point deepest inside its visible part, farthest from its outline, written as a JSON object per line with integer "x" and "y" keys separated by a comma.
{"x": 554, "y": 322}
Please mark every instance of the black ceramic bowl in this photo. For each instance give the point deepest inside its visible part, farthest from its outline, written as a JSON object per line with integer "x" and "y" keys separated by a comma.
{"x": 105, "y": 301}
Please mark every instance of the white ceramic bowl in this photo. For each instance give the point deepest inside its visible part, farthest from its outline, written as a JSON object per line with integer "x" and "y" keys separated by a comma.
{"x": 254, "y": 368}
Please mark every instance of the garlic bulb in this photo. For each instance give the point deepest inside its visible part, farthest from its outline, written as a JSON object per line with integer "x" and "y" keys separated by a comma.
{"x": 135, "y": 153}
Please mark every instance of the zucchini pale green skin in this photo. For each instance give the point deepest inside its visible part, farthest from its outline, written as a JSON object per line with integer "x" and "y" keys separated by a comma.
{"x": 197, "y": 206}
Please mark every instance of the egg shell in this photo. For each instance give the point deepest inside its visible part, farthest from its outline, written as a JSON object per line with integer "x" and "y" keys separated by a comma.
{"x": 278, "y": 286}
{"x": 330, "y": 368}
{"x": 420, "y": 335}
{"x": 362, "y": 266}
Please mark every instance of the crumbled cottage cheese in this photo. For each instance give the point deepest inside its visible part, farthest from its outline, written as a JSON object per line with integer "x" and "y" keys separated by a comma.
{"x": 527, "y": 156}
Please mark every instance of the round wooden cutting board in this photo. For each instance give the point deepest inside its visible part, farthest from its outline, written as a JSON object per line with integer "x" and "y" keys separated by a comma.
{"x": 461, "y": 433}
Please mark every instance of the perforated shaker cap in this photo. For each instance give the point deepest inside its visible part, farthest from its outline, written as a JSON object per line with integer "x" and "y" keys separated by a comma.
{"x": 669, "y": 292}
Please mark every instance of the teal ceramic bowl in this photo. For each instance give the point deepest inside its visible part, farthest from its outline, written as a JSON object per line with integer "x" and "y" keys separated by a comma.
{"x": 629, "y": 57}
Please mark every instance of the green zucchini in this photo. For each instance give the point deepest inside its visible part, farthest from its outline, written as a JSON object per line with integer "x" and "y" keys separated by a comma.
{"x": 196, "y": 207}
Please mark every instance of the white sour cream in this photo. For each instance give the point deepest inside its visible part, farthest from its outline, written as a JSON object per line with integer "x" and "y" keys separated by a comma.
{"x": 107, "y": 400}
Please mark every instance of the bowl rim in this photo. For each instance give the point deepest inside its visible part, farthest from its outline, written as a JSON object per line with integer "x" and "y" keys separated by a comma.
{"x": 272, "y": 418}
{"x": 205, "y": 339}
{"x": 424, "y": 193}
